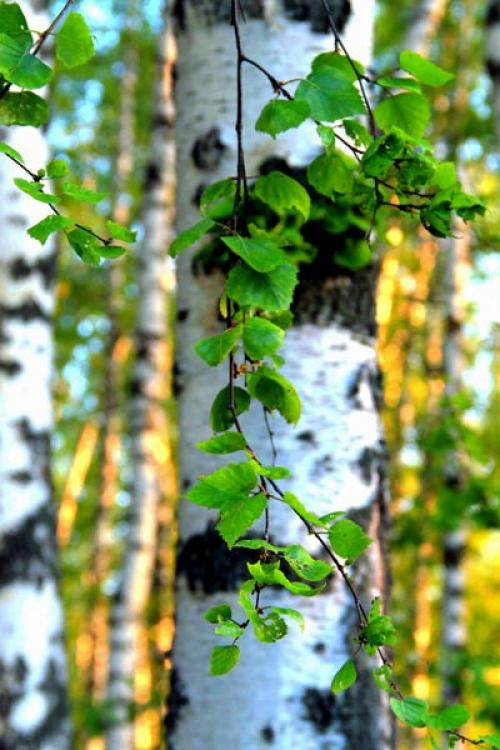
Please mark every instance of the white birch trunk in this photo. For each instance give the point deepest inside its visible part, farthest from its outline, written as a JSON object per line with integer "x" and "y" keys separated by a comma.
{"x": 493, "y": 60}
{"x": 33, "y": 712}
{"x": 148, "y": 427}
{"x": 279, "y": 695}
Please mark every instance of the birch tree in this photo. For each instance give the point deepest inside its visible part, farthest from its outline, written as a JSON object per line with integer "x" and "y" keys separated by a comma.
{"x": 32, "y": 661}
{"x": 278, "y": 696}
{"x": 150, "y": 450}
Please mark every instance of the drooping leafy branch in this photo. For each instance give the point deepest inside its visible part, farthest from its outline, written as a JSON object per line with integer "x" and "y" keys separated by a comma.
{"x": 21, "y": 67}
{"x": 256, "y": 230}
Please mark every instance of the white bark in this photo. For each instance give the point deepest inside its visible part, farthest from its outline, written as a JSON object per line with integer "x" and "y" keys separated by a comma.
{"x": 493, "y": 60}
{"x": 147, "y": 420}
{"x": 278, "y": 696}
{"x": 32, "y": 661}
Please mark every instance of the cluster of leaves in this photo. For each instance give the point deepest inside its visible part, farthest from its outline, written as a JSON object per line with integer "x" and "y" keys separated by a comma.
{"x": 21, "y": 67}
{"x": 393, "y": 166}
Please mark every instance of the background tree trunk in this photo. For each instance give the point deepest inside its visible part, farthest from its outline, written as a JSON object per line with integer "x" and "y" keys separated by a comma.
{"x": 150, "y": 447}
{"x": 279, "y": 695}
{"x": 33, "y": 710}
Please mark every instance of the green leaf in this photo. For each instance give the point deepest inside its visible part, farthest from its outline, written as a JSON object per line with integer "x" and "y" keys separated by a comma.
{"x": 271, "y": 291}
{"x": 406, "y": 84}
{"x": 283, "y": 194}
{"x": 271, "y": 575}
{"x": 12, "y": 50}
{"x": 35, "y": 190}
{"x": 220, "y": 613}
{"x": 223, "y": 659}
{"x": 411, "y": 711}
{"x": 327, "y": 136}
{"x": 119, "y": 232}
{"x": 190, "y": 236}
{"x": 13, "y": 23}
{"x": 383, "y": 678}
{"x": 47, "y": 226}
{"x": 258, "y": 544}
{"x": 423, "y": 70}
{"x": 276, "y": 392}
{"x": 30, "y": 73}
{"x": 217, "y": 199}
{"x": 221, "y": 416}
{"x": 330, "y": 97}
{"x": 293, "y": 502}
{"x": 57, "y": 168}
{"x": 281, "y": 114}
{"x": 227, "y": 442}
{"x": 380, "y": 156}
{"x": 409, "y": 112}
{"x": 9, "y": 151}
{"x": 292, "y": 613}
{"x": 273, "y": 472}
{"x": 74, "y": 44}
{"x": 80, "y": 193}
{"x": 215, "y": 349}
{"x": 451, "y": 717}
{"x": 229, "y": 483}
{"x": 348, "y": 539}
{"x": 493, "y": 739}
{"x": 445, "y": 175}
{"x": 23, "y": 108}
{"x": 304, "y": 565}
{"x": 379, "y": 631}
{"x": 328, "y": 174}
{"x": 111, "y": 251}
{"x": 345, "y": 677}
{"x": 354, "y": 254}
{"x": 238, "y": 515}
{"x": 271, "y": 628}
{"x": 357, "y": 132}
{"x": 261, "y": 338}
{"x": 262, "y": 254}
{"x": 229, "y": 630}
{"x": 85, "y": 246}
{"x": 339, "y": 65}
{"x": 467, "y": 206}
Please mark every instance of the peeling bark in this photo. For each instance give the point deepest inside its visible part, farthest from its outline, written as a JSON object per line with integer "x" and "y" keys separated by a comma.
{"x": 279, "y": 694}
{"x": 33, "y": 711}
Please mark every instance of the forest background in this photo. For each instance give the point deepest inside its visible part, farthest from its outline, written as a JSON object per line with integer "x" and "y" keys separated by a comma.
{"x": 108, "y": 138}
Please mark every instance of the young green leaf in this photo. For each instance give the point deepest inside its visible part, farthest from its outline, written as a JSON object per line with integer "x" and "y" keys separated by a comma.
{"x": 12, "y": 50}
{"x": 348, "y": 539}
{"x": 223, "y": 659}
{"x": 405, "y": 84}
{"x": 85, "y": 245}
{"x": 74, "y": 44}
{"x": 338, "y": 65}
{"x": 379, "y": 631}
{"x": 35, "y": 190}
{"x": 47, "y": 226}
{"x": 229, "y": 630}
{"x": 271, "y": 575}
{"x": 292, "y": 613}
{"x": 119, "y": 232}
{"x": 345, "y": 677}
{"x": 330, "y": 95}
{"x": 221, "y": 416}
{"x": 411, "y": 711}
{"x": 409, "y": 112}
{"x": 354, "y": 254}
{"x": 304, "y": 565}
{"x": 13, "y": 23}
{"x": 271, "y": 628}
{"x": 190, "y": 236}
{"x": 80, "y": 193}
{"x": 424, "y": 70}
{"x": 57, "y": 168}
{"x": 28, "y": 72}
{"x": 283, "y": 194}
{"x": 383, "y": 678}
{"x": 276, "y": 392}
{"x": 451, "y": 717}
{"x": 9, "y": 151}
{"x": 24, "y": 108}
{"x": 238, "y": 514}
{"x": 228, "y": 484}
{"x": 266, "y": 291}
{"x": 281, "y": 114}
{"x": 329, "y": 174}
{"x": 293, "y": 502}
{"x": 262, "y": 254}
{"x": 380, "y": 156}
{"x": 220, "y": 613}
{"x": 215, "y": 349}
{"x": 261, "y": 338}
{"x": 112, "y": 251}
{"x": 227, "y": 442}
{"x": 492, "y": 739}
